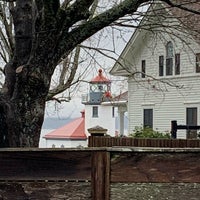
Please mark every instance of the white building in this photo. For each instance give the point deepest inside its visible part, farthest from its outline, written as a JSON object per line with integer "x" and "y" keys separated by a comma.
{"x": 162, "y": 64}
{"x": 69, "y": 135}
{"x": 99, "y": 110}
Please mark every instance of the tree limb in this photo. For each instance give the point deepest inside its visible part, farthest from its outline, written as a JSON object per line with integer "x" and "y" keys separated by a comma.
{"x": 182, "y": 6}
{"x": 82, "y": 32}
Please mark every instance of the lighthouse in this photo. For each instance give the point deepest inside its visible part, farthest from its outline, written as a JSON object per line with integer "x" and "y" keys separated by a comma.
{"x": 98, "y": 107}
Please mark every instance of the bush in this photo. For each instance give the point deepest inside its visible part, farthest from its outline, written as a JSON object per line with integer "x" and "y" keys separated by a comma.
{"x": 147, "y": 132}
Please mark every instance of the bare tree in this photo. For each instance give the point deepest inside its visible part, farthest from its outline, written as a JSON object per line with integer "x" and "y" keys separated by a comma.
{"x": 45, "y": 33}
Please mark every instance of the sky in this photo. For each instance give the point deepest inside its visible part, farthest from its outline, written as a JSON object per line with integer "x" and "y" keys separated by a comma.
{"x": 64, "y": 110}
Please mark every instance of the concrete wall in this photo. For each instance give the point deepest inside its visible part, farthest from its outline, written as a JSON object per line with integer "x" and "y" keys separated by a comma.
{"x": 82, "y": 191}
{"x": 45, "y": 191}
{"x": 155, "y": 191}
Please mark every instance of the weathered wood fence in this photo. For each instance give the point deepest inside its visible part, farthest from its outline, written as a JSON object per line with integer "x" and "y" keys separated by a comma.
{"x": 175, "y": 127}
{"x": 103, "y": 141}
{"x": 101, "y": 167}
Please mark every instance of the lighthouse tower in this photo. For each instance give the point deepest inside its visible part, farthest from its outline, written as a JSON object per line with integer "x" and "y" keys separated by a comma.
{"x": 98, "y": 109}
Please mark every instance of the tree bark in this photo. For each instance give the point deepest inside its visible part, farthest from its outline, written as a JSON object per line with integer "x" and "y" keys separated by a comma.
{"x": 23, "y": 102}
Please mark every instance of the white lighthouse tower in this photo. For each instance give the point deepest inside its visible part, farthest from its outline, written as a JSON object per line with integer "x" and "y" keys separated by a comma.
{"x": 98, "y": 109}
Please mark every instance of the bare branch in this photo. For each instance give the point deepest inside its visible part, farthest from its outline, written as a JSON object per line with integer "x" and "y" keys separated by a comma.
{"x": 82, "y": 32}
{"x": 70, "y": 81}
{"x": 184, "y": 5}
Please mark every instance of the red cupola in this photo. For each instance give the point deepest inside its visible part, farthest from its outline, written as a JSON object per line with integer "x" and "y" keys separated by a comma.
{"x": 100, "y": 88}
{"x": 100, "y": 78}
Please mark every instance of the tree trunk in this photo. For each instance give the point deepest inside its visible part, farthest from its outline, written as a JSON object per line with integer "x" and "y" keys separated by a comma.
{"x": 22, "y": 114}
{"x": 22, "y": 102}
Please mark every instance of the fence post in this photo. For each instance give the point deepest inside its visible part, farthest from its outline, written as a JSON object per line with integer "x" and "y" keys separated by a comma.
{"x": 174, "y": 129}
{"x": 100, "y": 175}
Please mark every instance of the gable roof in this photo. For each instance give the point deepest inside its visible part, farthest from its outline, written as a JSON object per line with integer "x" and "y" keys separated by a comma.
{"x": 190, "y": 21}
{"x": 75, "y": 130}
{"x": 121, "y": 97}
{"x": 119, "y": 100}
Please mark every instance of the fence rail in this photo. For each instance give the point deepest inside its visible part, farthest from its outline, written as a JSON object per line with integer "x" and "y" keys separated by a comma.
{"x": 99, "y": 141}
{"x": 102, "y": 166}
{"x": 175, "y": 127}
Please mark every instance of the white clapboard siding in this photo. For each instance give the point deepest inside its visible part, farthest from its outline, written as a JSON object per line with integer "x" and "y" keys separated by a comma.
{"x": 168, "y": 102}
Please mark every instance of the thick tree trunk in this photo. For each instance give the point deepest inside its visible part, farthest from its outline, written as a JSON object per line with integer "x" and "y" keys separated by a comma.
{"x": 21, "y": 120}
{"x": 25, "y": 125}
{"x": 22, "y": 102}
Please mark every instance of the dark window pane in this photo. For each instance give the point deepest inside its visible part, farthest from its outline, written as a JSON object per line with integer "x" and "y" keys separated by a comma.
{"x": 169, "y": 58}
{"x": 177, "y": 63}
{"x": 148, "y": 118}
{"x": 94, "y": 111}
{"x": 169, "y": 66}
{"x": 113, "y": 111}
{"x": 198, "y": 62}
{"x": 191, "y": 120}
{"x": 143, "y": 68}
{"x": 161, "y": 65}
{"x": 169, "y": 50}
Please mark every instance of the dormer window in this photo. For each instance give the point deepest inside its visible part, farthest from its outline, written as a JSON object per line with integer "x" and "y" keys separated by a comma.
{"x": 169, "y": 58}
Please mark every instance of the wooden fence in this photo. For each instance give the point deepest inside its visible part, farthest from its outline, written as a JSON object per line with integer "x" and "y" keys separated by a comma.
{"x": 98, "y": 166}
{"x": 175, "y": 127}
{"x": 101, "y": 141}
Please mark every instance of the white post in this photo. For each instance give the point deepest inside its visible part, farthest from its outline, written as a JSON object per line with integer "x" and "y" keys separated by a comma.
{"x": 121, "y": 111}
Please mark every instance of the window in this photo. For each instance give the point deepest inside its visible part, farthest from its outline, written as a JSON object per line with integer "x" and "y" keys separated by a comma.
{"x": 143, "y": 68}
{"x": 169, "y": 58}
{"x": 191, "y": 120}
{"x": 198, "y": 62}
{"x": 95, "y": 111}
{"x": 113, "y": 112}
{"x": 177, "y": 64}
{"x": 169, "y": 50}
{"x": 148, "y": 118}
{"x": 161, "y": 65}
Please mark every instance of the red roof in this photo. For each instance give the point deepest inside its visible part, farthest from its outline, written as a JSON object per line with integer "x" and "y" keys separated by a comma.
{"x": 121, "y": 97}
{"x": 75, "y": 130}
{"x": 100, "y": 78}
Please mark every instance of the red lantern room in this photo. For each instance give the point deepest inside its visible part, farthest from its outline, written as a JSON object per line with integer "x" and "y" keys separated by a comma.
{"x": 100, "y": 88}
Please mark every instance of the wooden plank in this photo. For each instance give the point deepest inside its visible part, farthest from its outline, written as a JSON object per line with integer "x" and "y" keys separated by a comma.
{"x": 45, "y": 165}
{"x": 149, "y": 167}
{"x": 141, "y": 142}
{"x": 100, "y": 175}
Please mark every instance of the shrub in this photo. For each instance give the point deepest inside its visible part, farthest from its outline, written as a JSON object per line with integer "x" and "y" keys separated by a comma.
{"x": 147, "y": 132}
